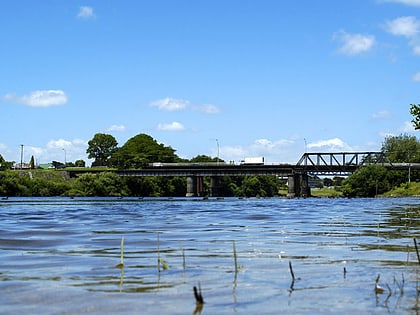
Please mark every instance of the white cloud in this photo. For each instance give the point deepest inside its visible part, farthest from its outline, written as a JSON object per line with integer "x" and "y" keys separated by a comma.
{"x": 407, "y": 26}
{"x": 41, "y": 98}
{"x": 274, "y": 151}
{"x": 208, "y": 109}
{"x": 174, "y": 126}
{"x": 54, "y": 150}
{"x": 85, "y": 13}
{"x": 329, "y": 145}
{"x": 58, "y": 144}
{"x": 116, "y": 128}
{"x": 353, "y": 44}
{"x": 415, "y": 44}
{"x": 407, "y": 127}
{"x": 416, "y": 77}
{"x": 172, "y": 104}
{"x": 406, "y": 2}
{"x": 381, "y": 115}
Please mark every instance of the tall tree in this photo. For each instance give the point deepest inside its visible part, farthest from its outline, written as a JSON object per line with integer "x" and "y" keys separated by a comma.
{"x": 101, "y": 148}
{"x": 402, "y": 149}
{"x": 415, "y": 111}
{"x": 141, "y": 150}
{"x": 32, "y": 162}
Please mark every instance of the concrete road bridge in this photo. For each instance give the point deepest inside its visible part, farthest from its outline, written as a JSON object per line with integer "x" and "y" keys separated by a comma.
{"x": 342, "y": 163}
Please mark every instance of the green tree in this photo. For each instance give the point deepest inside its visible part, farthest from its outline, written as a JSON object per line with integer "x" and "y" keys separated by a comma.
{"x": 32, "y": 162}
{"x": 102, "y": 184}
{"x": 2, "y": 163}
{"x": 367, "y": 181}
{"x": 101, "y": 148}
{"x": 204, "y": 159}
{"x": 141, "y": 150}
{"x": 80, "y": 163}
{"x": 402, "y": 149}
{"x": 415, "y": 111}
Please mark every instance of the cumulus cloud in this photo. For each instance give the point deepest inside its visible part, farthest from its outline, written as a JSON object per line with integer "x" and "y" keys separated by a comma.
{"x": 116, "y": 128}
{"x": 416, "y": 77}
{"x": 406, "y": 26}
{"x": 354, "y": 44}
{"x": 329, "y": 145}
{"x": 56, "y": 149}
{"x": 41, "y": 98}
{"x": 274, "y": 151}
{"x": 172, "y": 104}
{"x": 85, "y": 13}
{"x": 173, "y": 126}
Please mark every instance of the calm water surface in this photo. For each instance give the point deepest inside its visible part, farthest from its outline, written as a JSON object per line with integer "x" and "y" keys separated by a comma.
{"x": 59, "y": 256}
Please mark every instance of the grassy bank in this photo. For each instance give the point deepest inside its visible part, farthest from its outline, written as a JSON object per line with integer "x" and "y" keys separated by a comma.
{"x": 404, "y": 190}
{"x": 326, "y": 192}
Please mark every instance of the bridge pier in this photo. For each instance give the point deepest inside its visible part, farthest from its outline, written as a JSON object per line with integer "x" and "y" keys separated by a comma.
{"x": 194, "y": 186}
{"x": 305, "y": 189}
{"x": 214, "y": 186}
{"x": 298, "y": 185}
{"x": 293, "y": 183}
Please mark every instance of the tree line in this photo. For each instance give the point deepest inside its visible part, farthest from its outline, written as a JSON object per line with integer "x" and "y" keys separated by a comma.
{"x": 142, "y": 150}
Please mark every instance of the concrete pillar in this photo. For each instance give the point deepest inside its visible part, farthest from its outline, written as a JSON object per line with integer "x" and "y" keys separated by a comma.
{"x": 306, "y": 190}
{"x": 199, "y": 186}
{"x": 214, "y": 185}
{"x": 194, "y": 186}
{"x": 293, "y": 182}
{"x": 191, "y": 186}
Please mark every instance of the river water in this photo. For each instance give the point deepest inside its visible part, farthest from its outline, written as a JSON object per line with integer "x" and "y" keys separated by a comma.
{"x": 61, "y": 256}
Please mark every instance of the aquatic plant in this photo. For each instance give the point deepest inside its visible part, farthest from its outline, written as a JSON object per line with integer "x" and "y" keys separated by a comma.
{"x": 161, "y": 261}
{"x": 121, "y": 264}
{"x": 417, "y": 249}
{"x": 235, "y": 257}
{"x": 198, "y": 295}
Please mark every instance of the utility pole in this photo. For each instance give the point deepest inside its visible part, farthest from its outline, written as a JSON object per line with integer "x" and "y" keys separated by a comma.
{"x": 218, "y": 150}
{"x": 21, "y": 156}
{"x": 65, "y": 157}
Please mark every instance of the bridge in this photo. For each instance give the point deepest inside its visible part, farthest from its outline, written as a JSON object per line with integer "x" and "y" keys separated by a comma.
{"x": 342, "y": 163}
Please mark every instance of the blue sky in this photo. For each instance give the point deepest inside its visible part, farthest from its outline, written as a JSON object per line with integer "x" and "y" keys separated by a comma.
{"x": 243, "y": 78}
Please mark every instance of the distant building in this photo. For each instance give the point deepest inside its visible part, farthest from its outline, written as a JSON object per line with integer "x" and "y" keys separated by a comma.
{"x": 23, "y": 166}
{"x": 315, "y": 182}
{"x": 46, "y": 166}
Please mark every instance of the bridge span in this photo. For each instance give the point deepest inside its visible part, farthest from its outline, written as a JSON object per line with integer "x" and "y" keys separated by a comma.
{"x": 342, "y": 163}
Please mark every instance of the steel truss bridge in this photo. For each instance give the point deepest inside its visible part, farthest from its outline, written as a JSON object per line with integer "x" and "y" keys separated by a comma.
{"x": 342, "y": 163}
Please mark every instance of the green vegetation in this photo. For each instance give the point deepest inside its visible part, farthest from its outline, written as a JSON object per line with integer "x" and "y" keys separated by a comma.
{"x": 374, "y": 180}
{"x": 404, "y": 190}
{"x": 330, "y": 192}
{"x": 415, "y": 111}
{"x": 141, "y": 150}
{"x": 101, "y": 148}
